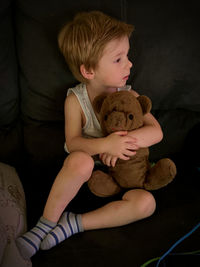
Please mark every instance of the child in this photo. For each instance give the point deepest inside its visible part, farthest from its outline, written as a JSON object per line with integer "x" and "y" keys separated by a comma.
{"x": 96, "y": 48}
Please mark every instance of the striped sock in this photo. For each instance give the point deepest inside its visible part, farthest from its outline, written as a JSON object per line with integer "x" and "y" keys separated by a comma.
{"x": 69, "y": 224}
{"x": 29, "y": 243}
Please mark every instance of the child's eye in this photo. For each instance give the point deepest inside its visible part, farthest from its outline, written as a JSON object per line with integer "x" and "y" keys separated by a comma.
{"x": 118, "y": 60}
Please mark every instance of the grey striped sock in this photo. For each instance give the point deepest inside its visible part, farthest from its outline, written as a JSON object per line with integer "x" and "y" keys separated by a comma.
{"x": 68, "y": 225}
{"x": 29, "y": 243}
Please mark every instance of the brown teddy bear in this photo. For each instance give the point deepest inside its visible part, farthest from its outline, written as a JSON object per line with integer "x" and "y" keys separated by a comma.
{"x": 123, "y": 111}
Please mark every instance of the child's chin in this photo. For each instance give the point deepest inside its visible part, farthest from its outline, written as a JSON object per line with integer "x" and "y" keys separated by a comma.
{"x": 123, "y": 84}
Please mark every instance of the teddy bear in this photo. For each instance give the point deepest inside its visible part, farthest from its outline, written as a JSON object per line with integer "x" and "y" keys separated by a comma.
{"x": 122, "y": 111}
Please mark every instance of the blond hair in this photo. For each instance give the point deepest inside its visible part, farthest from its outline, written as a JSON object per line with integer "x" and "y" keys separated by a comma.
{"x": 83, "y": 40}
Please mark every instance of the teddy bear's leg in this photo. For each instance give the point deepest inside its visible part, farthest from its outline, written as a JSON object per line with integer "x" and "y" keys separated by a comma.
{"x": 162, "y": 173}
{"x": 102, "y": 184}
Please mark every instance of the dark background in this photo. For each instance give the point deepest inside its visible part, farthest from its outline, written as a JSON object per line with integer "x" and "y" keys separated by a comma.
{"x": 33, "y": 84}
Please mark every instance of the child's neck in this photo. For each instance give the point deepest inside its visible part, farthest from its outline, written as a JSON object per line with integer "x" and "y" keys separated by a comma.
{"x": 95, "y": 91}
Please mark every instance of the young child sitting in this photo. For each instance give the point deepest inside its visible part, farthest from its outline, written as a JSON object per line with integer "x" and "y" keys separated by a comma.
{"x": 95, "y": 47}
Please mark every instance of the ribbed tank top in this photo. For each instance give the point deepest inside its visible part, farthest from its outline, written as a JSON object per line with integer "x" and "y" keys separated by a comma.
{"x": 92, "y": 128}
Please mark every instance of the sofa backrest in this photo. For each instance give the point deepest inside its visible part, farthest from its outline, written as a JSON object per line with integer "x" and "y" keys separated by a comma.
{"x": 10, "y": 130}
{"x": 164, "y": 51}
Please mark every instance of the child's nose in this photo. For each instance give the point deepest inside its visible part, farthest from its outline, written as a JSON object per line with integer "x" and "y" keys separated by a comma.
{"x": 130, "y": 64}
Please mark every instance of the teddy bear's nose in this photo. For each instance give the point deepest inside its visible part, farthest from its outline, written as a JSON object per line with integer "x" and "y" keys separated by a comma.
{"x": 118, "y": 123}
{"x": 118, "y": 119}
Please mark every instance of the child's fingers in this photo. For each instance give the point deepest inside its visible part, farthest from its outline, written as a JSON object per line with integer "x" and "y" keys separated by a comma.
{"x": 101, "y": 156}
{"x": 121, "y": 133}
{"x": 130, "y": 153}
{"x": 113, "y": 161}
{"x": 124, "y": 157}
{"x": 108, "y": 160}
{"x": 130, "y": 139}
{"x": 132, "y": 147}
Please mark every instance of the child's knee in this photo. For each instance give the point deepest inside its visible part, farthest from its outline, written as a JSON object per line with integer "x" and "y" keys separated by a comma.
{"x": 144, "y": 200}
{"x": 148, "y": 204}
{"x": 80, "y": 163}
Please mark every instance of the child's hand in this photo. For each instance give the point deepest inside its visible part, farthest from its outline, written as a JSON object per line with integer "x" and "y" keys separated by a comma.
{"x": 108, "y": 159}
{"x": 120, "y": 145}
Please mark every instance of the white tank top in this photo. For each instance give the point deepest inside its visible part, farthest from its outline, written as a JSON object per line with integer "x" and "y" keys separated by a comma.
{"x": 92, "y": 128}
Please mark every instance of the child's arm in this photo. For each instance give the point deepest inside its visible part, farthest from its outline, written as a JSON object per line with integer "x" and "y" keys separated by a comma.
{"x": 146, "y": 136}
{"x": 150, "y": 134}
{"x": 116, "y": 144}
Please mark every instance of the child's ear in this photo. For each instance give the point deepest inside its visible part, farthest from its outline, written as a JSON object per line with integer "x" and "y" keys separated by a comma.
{"x": 87, "y": 74}
{"x": 98, "y": 102}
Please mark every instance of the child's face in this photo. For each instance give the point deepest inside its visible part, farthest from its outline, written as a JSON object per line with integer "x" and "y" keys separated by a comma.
{"x": 114, "y": 66}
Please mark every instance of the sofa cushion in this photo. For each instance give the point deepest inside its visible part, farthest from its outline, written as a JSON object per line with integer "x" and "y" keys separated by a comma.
{"x": 176, "y": 124}
{"x": 44, "y": 75}
{"x": 166, "y": 52}
{"x": 9, "y": 93}
{"x": 10, "y": 134}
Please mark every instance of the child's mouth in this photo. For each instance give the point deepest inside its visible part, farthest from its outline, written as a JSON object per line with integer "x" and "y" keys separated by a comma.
{"x": 126, "y": 77}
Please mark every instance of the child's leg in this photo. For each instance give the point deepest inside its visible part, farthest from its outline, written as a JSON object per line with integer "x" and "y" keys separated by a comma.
{"x": 76, "y": 170}
{"x": 135, "y": 205}
{"x": 29, "y": 243}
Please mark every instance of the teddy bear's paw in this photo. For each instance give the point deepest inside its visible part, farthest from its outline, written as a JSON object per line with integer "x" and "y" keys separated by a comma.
{"x": 161, "y": 174}
{"x": 102, "y": 184}
{"x": 172, "y": 168}
{"x": 167, "y": 166}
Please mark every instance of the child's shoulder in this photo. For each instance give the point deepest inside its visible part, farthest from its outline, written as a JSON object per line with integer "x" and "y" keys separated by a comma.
{"x": 78, "y": 89}
{"x": 70, "y": 97}
{"x": 75, "y": 94}
{"x": 71, "y": 101}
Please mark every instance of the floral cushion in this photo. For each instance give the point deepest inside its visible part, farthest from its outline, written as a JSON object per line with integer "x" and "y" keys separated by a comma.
{"x": 12, "y": 216}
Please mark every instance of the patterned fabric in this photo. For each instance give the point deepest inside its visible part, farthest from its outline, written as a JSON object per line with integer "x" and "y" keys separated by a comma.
{"x": 12, "y": 217}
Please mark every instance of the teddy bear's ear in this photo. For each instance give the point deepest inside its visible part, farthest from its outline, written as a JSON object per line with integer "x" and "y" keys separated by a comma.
{"x": 145, "y": 103}
{"x": 98, "y": 101}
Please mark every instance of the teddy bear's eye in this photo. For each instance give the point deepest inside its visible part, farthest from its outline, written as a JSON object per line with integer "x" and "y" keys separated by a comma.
{"x": 130, "y": 116}
{"x": 105, "y": 117}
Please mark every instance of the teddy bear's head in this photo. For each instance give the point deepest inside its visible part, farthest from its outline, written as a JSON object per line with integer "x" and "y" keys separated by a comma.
{"x": 121, "y": 111}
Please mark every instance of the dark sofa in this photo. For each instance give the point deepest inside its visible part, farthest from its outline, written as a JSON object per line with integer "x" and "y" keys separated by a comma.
{"x": 33, "y": 84}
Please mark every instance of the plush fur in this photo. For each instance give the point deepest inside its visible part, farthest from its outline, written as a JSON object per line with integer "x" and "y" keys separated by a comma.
{"x": 123, "y": 111}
